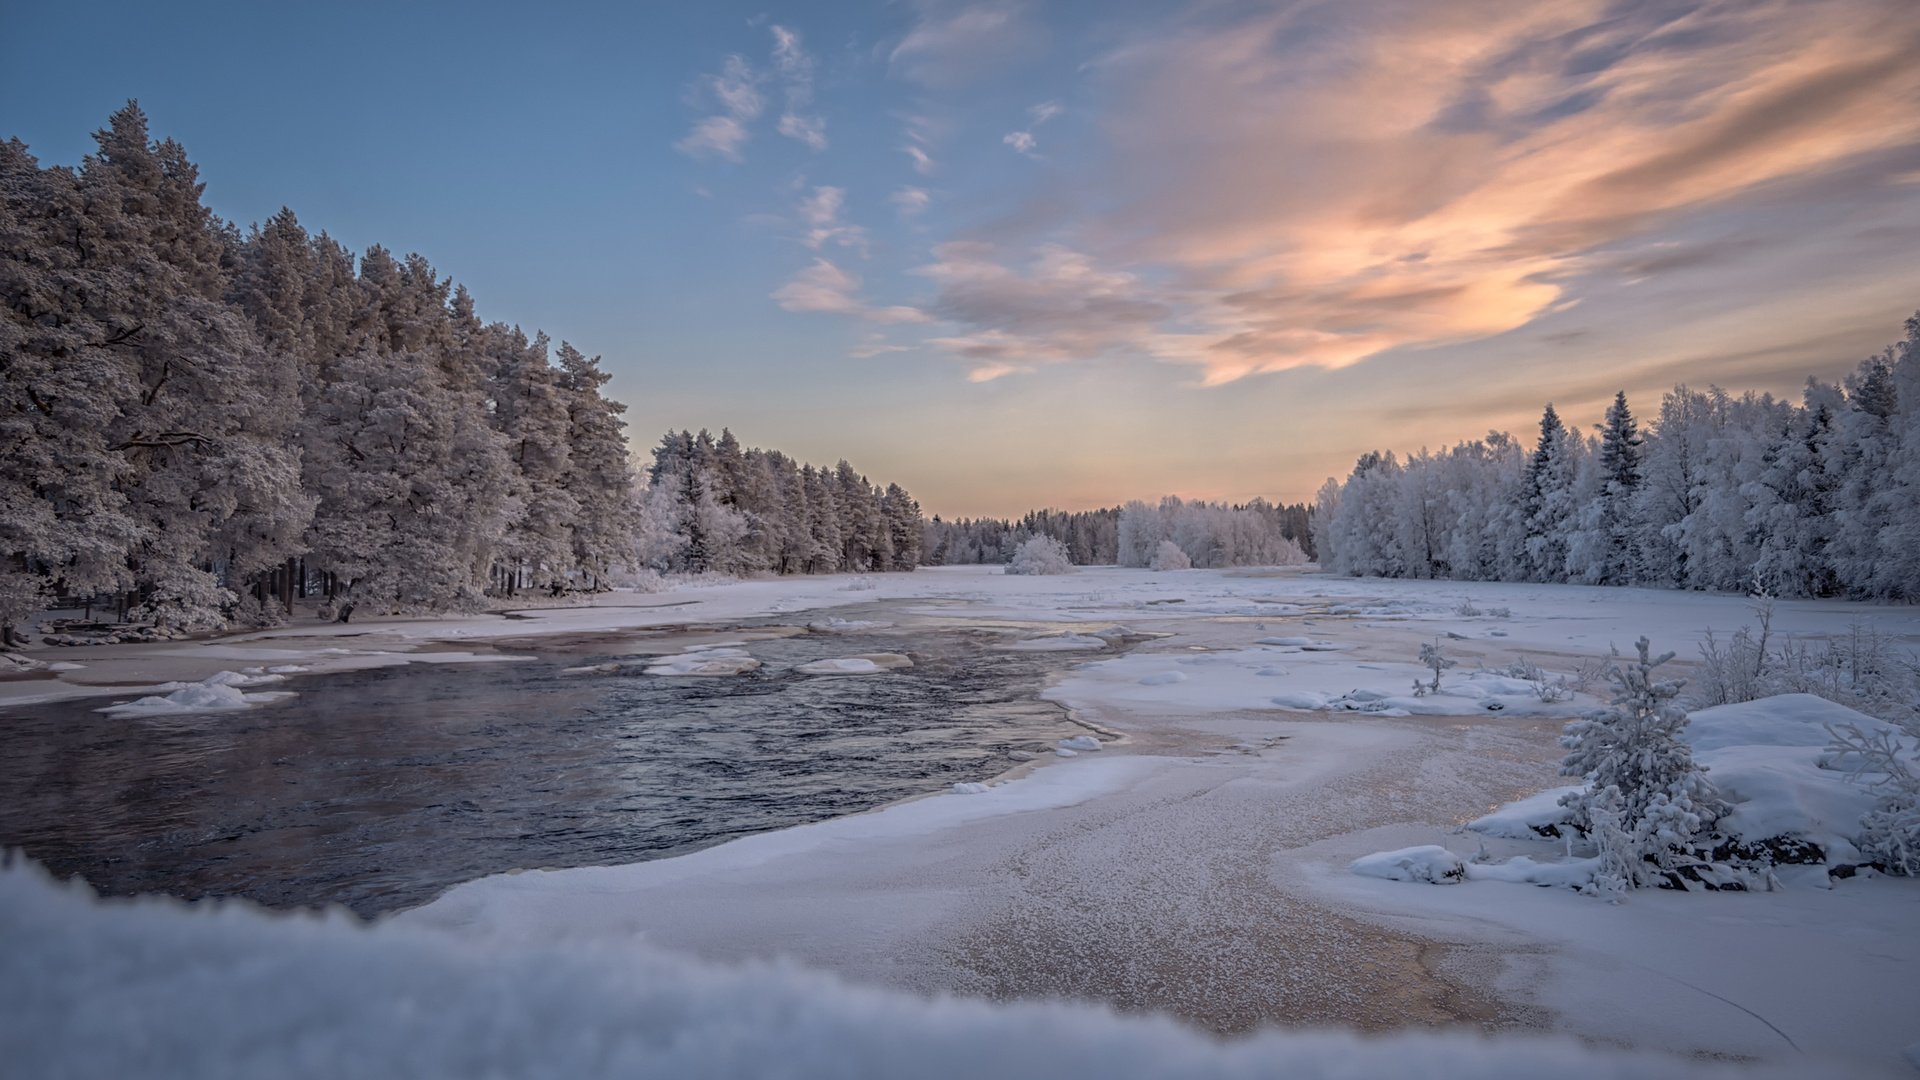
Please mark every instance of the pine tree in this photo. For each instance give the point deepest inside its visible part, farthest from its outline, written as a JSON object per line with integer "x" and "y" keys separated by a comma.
{"x": 1646, "y": 802}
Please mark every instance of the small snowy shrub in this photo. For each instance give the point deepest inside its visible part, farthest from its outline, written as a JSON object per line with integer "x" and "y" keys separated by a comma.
{"x": 1431, "y": 656}
{"x": 1168, "y": 556}
{"x": 1041, "y": 555}
{"x": 1890, "y": 832}
{"x": 1467, "y": 609}
{"x": 1548, "y": 690}
{"x": 1648, "y": 808}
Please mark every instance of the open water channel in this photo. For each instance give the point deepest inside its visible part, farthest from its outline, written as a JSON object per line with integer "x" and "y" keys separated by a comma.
{"x": 379, "y": 789}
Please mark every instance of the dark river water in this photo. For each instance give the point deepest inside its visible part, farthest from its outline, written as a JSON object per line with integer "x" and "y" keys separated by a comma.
{"x": 379, "y": 789}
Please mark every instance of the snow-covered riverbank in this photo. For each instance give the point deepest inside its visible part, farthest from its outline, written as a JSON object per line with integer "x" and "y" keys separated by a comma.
{"x": 1198, "y": 866}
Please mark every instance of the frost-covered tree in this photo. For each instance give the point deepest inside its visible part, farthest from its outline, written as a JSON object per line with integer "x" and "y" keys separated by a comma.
{"x": 1647, "y": 805}
{"x": 1041, "y": 555}
{"x": 599, "y": 476}
{"x": 1169, "y": 556}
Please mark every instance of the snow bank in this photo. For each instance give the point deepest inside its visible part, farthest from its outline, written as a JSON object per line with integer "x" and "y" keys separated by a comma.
{"x": 157, "y": 988}
{"x": 1529, "y": 818}
{"x": 1428, "y": 862}
{"x": 219, "y": 692}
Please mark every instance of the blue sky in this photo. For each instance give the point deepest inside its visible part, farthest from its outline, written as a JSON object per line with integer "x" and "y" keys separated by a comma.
{"x": 1013, "y": 254}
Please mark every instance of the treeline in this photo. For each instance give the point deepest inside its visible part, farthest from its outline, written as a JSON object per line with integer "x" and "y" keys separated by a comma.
{"x": 204, "y": 422}
{"x": 1256, "y": 533}
{"x": 1821, "y": 498}
{"x": 712, "y": 506}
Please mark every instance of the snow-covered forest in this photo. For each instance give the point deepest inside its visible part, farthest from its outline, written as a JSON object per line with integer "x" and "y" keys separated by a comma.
{"x": 1211, "y": 534}
{"x": 712, "y": 506}
{"x": 201, "y": 422}
{"x": 1820, "y": 498}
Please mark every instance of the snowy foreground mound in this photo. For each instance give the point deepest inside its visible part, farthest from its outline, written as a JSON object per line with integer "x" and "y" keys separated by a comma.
{"x": 1769, "y": 759}
{"x": 157, "y": 988}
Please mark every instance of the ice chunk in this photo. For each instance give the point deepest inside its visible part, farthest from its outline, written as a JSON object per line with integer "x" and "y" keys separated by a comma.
{"x": 713, "y": 660}
{"x": 969, "y": 789}
{"x": 219, "y": 692}
{"x": 852, "y": 665}
{"x": 1080, "y": 742}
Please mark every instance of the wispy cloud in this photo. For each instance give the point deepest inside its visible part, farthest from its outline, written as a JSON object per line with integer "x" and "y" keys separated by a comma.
{"x": 820, "y": 213}
{"x": 1061, "y": 306}
{"x": 910, "y": 201}
{"x": 1024, "y": 141}
{"x": 735, "y": 90}
{"x": 954, "y": 42}
{"x": 825, "y": 288}
{"x": 795, "y": 68}
{"x": 1402, "y": 175}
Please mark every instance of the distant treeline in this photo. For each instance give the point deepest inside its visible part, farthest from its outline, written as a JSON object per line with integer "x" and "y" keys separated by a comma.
{"x": 712, "y": 506}
{"x": 1820, "y": 498}
{"x": 1257, "y": 533}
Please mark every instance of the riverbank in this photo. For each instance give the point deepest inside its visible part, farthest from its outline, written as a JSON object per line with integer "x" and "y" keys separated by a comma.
{"x": 1197, "y": 869}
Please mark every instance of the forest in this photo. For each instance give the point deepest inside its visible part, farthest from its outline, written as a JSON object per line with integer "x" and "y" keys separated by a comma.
{"x": 1815, "y": 498}
{"x": 197, "y": 423}
{"x": 1209, "y": 534}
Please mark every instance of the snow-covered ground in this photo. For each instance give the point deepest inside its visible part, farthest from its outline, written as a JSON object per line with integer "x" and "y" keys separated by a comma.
{"x": 1199, "y": 864}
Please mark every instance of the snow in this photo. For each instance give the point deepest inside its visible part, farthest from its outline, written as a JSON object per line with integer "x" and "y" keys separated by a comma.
{"x": 219, "y": 692}
{"x": 833, "y": 625}
{"x": 159, "y": 988}
{"x": 1131, "y": 860}
{"x": 1430, "y": 863}
{"x": 1080, "y": 742}
{"x": 1524, "y": 818}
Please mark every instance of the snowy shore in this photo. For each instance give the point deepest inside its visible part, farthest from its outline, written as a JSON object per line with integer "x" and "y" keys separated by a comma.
{"x": 1198, "y": 867}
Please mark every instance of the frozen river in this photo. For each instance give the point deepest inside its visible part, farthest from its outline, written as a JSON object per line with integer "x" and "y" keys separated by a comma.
{"x": 379, "y": 789}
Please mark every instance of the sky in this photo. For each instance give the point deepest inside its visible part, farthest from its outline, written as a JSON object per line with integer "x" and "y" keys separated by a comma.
{"x": 1014, "y": 254}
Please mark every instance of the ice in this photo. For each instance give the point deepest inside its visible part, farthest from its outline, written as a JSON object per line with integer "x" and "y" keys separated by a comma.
{"x": 65, "y": 665}
{"x": 852, "y": 665}
{"x": 1066, "y": 752}
{"x": 969, "y": 789}
{"x": 705, "y": 660}
{"x": 1430, "y": 863}
{"x": 1080, "y": 742}
{"x": 833, "y": 625}
{"x": 1057, "y": 643}
{"x": 1163, "y": 678}
{"x": 219, "y": 692}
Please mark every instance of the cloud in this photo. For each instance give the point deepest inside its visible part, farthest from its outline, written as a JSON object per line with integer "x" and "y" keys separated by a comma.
{"x": 825, "y": 288}
{"x": 954, "y": 42}
{"x": 922, "y": 163}
{"x": 795, "y": 68}
{"x": 735, "y": 99}
{"x": 820, "y": 212}
{"x": 736, "y": 90}
{"x": 1398, "y": 175}
{"x": 1024, "y": 141}
{"x": 910, "y": 201}
{"x": 1062, "y": 306}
